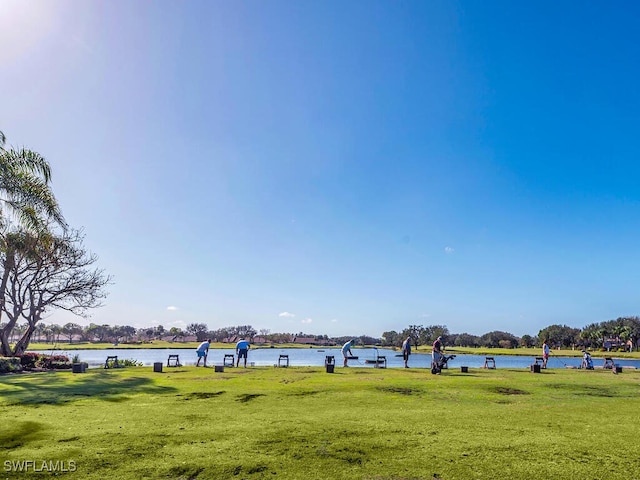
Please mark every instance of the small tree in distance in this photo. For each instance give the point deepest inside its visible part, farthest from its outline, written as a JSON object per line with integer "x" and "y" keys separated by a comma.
{"x": 198, "y": 329}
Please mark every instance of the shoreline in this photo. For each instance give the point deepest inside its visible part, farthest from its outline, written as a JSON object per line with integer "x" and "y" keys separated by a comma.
{"x": 423, "y": 349}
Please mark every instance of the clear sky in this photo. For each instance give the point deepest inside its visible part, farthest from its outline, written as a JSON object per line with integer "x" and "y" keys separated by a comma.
{"x": 339, "y": 168}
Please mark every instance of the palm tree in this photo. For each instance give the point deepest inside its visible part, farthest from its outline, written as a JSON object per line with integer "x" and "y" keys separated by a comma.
{"x": 17, "y": 331}
{"x": 601, "y": 334}
{"x": 41, "y": 331}
{"x": 590, "y": 334}
{"x": 624, "y": 335}
{"x": 24, "y": 187}
{"x": 25, "y": 193}
{"x": 56, "y": 331}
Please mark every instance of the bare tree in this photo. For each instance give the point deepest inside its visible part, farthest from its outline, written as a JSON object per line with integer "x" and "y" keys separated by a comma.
{"x": 245, "y": 331}
{"x": 52, "y": 273}
{"x": 198, "y": 329}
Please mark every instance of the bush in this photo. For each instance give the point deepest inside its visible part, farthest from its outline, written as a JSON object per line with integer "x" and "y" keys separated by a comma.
{"x": 129, "y": 363}
{"x": 54, "y": 362}
{"x": 31, "y": 360}
{"x": 124, "y": 363}
{"x": 8, "y": 365}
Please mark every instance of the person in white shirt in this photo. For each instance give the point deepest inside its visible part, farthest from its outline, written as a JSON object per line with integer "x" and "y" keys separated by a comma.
{"x": 202, "y": 351}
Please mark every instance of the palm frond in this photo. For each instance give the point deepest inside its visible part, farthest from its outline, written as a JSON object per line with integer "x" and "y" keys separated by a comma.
{"x": 24, "y": 188}
{"x": 24, "y": 160}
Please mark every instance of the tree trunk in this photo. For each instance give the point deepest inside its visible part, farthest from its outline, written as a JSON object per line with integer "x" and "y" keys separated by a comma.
{"x": 5, "y": 332}
{"x": 22, "y": 344}
{"x": 5, "y": 346}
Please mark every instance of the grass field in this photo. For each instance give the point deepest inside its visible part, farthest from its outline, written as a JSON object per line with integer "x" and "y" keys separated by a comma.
{"x": 302, "y": 423}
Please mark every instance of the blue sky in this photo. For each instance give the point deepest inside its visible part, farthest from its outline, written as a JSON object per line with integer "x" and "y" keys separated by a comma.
{"x": 339, "y": 167}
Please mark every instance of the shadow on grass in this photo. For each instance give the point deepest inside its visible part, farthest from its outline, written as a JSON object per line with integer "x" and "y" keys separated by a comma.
{"x": 52, "y": 389}
{"x": 17, "y": 434}
{"x": 246, "y": 397}
{"x": 592, "y": 390}
{"x": 201, "y": 395}
{"x": 509, "y": 391}
{"x": 402, "y": 390}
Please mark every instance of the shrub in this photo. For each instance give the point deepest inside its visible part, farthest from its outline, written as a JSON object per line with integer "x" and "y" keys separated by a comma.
{"x": 129, "y": 363}
{"x": 124, "y": 363}
{"x": 11, "y": 364}
{"x": 56, "y": 362}
{"x": 30, "y": 360}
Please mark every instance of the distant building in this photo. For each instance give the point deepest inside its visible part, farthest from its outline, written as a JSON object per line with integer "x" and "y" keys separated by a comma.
{"x": 309, "y": 341}
{"x": 616, "y": 343}
{"x": 179, "y": 338}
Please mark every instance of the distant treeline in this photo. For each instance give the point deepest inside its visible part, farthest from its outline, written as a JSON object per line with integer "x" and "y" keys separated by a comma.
{"x": 622, "y": 333}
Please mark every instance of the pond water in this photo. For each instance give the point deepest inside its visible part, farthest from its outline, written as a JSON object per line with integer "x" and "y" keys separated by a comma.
{"x": 302, "y": 357}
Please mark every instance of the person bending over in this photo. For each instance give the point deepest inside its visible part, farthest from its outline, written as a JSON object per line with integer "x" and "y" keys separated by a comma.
{"x": 242, "y": 349}
{"x": 202, "y": 351}
{"x": 346, "y": 351}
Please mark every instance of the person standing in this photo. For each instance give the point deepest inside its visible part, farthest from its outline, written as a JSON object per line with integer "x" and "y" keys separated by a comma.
{"x": 202, "y": 351}
{"x": 406, "y": 351}
{"x": 242, "y": 349}
{"x": 587, "y": 363}
{"x": 346, "y": 351}
{"x": 436, "y": 353}
{"x": 545, "y": 353}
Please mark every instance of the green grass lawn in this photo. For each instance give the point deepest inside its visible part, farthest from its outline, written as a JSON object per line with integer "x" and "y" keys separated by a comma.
{"x": 302, "y": 423}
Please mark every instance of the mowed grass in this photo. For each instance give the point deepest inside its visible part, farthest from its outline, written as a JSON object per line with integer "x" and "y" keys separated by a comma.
{"x": 302, "y": 423}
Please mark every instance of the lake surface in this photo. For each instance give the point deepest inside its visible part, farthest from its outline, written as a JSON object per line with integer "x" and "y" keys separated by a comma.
{"x": 303, "y": 357}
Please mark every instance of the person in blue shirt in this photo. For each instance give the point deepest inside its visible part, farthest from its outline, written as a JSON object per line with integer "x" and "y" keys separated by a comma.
{"x": 202, "y": 351}
{"x": 242, "y": 349}
{"x": 586, "y": 360}
{"x": 406, "y": 351}
{"x": 346, "y": 351}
